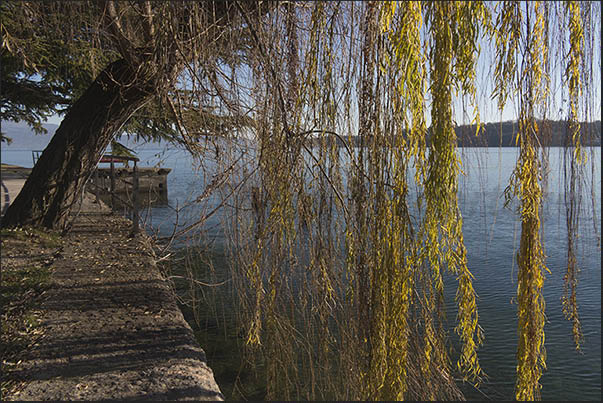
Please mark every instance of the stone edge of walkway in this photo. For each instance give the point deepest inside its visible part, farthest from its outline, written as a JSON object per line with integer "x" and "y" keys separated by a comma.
{"x": 190, "y": 373}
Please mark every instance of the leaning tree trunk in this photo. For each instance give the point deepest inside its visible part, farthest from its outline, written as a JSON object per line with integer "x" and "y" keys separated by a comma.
{"x": 67, "y": 162}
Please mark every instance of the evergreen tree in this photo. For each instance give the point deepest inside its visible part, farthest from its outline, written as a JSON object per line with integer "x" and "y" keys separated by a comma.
{"x": 144, "y": 47}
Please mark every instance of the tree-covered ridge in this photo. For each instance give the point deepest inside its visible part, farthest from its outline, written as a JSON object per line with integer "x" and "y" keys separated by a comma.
{"x": 504, "y": 134}
{"x": 500, "y": 134}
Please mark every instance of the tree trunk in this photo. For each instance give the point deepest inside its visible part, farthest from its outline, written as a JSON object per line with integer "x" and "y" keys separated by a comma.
{"x": 71, "y": 156}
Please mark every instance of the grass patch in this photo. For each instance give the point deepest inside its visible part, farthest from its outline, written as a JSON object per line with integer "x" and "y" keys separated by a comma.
{"x": 19, "y": 284}
{"x": 27, "y": 256}
{"x": 29, "y": 235}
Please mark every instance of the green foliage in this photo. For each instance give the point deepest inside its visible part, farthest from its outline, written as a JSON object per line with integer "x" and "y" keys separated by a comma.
{"x": 53, "y": 51}
{"x": 44, "y": 69}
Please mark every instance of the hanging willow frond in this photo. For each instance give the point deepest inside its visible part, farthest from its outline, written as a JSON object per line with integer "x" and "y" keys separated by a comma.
{"x": 526, "y": 185}
{"x": 575, "y": 161}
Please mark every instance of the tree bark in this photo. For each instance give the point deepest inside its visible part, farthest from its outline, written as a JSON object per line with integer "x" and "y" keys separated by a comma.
{"x": 119, "y": 91}
{"x": 58, "y": 177}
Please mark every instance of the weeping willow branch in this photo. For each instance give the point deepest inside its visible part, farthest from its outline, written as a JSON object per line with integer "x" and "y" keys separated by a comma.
{"x": 573, "y": 163}
{"x": 526, "y": 184}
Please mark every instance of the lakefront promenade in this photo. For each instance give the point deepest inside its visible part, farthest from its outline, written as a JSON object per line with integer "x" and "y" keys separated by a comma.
{"x": 108, "y": 326}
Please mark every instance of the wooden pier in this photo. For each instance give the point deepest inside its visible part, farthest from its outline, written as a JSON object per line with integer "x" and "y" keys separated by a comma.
{"x": 152, "y": 185}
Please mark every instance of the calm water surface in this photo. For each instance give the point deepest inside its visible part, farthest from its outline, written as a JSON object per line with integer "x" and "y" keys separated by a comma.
{"x": 491, "y": 234}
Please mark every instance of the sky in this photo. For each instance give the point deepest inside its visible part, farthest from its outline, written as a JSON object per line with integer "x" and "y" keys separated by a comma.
{"x": 488, "y": 107}
{"x": 558, "y": 107}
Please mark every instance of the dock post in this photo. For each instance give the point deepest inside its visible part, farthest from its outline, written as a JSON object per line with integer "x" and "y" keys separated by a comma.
{"x": 96, "y": 186}
{"x": 112, "y": 185}
{"x": 135, "y": 217}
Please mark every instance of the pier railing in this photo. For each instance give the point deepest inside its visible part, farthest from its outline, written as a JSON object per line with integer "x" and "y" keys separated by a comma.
{"x": 134, "y": 204}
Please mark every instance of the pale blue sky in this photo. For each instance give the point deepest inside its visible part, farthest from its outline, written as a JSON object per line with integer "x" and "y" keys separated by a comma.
{"x": 558, "y": 106}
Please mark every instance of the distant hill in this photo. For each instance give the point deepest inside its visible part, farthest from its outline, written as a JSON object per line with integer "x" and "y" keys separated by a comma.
{"x": 491, "y": 135}
{"x": 23, "y": 138}
{"x": 502, "y": 134}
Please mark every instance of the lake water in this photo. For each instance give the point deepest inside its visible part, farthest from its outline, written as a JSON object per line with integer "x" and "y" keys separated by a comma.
{"x": 491, "y": 234}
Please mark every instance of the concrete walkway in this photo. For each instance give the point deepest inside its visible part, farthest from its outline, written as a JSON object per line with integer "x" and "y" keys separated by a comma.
{"x": 12, "y": 179}
{"x": 111, "y": 327}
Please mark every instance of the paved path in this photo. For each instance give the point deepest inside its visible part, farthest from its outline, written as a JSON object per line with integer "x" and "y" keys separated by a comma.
{"x": 12, "y": 179}
{"x": 111, "y": 325}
